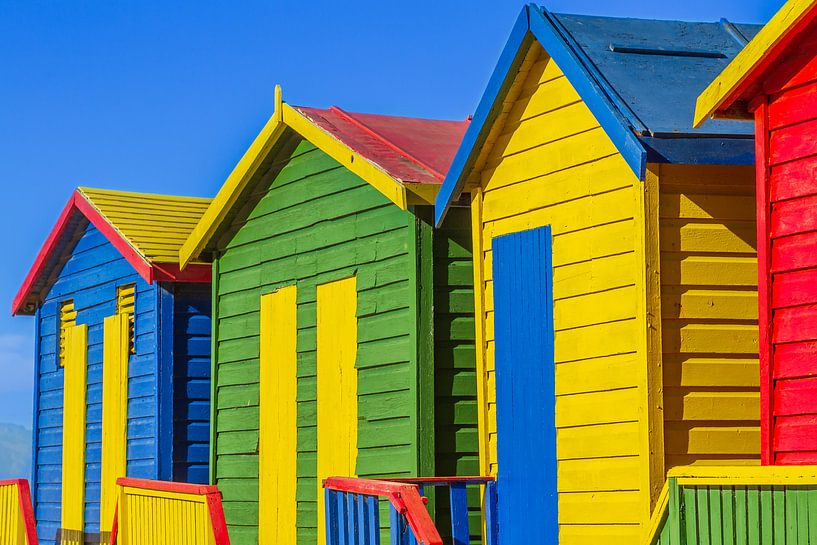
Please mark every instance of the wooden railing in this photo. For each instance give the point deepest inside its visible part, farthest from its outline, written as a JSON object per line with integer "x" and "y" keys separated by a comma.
{"x": 17, "y": 524}
{"x": 153, "y": 512}
{"x": 736, "y": 505}
{"x": 353, "y": 510}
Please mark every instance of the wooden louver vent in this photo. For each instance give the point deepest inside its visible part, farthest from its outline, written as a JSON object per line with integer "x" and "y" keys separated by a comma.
{"x": 68, "y": 318}
{"x": 126, "y": 304}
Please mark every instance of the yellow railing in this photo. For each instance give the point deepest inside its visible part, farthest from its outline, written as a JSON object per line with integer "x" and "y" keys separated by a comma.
{"x": 151, "y": 512}
{"x": 17, "y": 526}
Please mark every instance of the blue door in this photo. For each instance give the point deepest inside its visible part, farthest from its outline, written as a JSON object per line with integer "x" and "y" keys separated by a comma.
{"x": 525, "y": 388}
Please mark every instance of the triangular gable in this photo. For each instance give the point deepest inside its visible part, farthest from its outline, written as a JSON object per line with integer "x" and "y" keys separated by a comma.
{"x": 604, "y": 59}
{"x": 141, "y": 234}
{"x": 403, "y": 158}
{"x": 728, "y": 95}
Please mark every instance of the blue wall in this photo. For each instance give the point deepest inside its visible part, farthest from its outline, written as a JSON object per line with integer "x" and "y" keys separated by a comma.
{"x": 90, "y": 277}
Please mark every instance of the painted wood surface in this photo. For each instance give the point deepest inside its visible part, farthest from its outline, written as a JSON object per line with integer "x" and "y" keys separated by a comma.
{"x": 525, "y": 387}
{"x": 278, "y": 418}
{"x": 150, "y": 512}
{"x": 709, "y": 314}
{"x": 337, "y": 385}
{"x": 312, "y": 222}
{"x": 17, "y": 524}
{"x": 785, "y": 130}
{"x": 550, "y": 163}
{"x": 617, "y": 243}
{"x": 190, "y": 318}
{"x": 116, "y": 347}
{"x": 309, "y": 222}
{"x": 90, "y": 279}
{"x": 73, "y": 436}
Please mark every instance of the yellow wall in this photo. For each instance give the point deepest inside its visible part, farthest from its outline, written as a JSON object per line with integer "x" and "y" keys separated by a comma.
{"x": 709, "y": 314}
{"x": 337, "y": 385}
{"x": 73, "y": 435}
{"x": 116, "y": 346}
{"x": 277, "y": 444}
{"x": 551, "y": 163}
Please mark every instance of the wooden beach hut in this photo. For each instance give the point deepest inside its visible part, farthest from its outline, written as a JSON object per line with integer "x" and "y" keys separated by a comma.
{"x": 122, "y": 357}
{"x": 774, "y": 82}
{"x": 343, "y": 325}
{"x": 614, "y": 251}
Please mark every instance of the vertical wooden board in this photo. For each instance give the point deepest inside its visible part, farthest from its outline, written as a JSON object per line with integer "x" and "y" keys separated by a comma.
{"x": 525, "y": 386}
{"x": 116, "y": 346}
{"x": 336, "y": 385}
{"x": 277, "y": 443}
{"x": 73, "y": 442}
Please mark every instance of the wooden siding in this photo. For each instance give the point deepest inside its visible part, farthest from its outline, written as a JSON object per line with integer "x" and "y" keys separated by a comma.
{"x": 191, "y": 382}
{"x": 314, "y": 222}
{"x": 550, "y": 163}
{"x": 90, "y": 277}
{"x": 455, "y": 416}
{"x": 709, "y": 314}
{"x": 73, "y": 436}
{"x": 786, "y": 129}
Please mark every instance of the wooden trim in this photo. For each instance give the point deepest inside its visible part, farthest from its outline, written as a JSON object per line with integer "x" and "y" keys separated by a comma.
{"x": 764, "y": 283}
{"x": 659, "y": 516}
{"x": 756, "y": 57}
{"x": 346, "y": 156}
{"x": 652, "y": 414}
{"x": 213, "y": 371}
{"x": 479, "y": 330}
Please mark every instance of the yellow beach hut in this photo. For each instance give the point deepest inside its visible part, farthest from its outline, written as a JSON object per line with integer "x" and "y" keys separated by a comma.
{"x": 615, "y": 265}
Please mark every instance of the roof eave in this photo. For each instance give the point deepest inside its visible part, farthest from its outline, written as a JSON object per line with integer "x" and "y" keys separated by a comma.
{"x": 719, "y": 99}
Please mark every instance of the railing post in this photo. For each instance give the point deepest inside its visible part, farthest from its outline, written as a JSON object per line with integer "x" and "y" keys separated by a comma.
{"x": 395, "y": 527}
{"x": 459, "y": 514}
{"x": 331, "y": 517}
{"x": 373, "y": 506}
{"x": 354, "y": 521}
{"x": 343, "y": 519}
{"x": 491, "y": 514}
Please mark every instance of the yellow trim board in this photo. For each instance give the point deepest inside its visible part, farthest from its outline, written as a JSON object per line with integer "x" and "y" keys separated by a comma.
{"x": 287, "y": 116}
{"x": 744, "y": 64}
{"x": 346, "y": 156}
{"x": 278, "y": 419}
{"x": 745, "y": 475}
{"x": 238, "y": 179}
{"x": 73, "y": 435}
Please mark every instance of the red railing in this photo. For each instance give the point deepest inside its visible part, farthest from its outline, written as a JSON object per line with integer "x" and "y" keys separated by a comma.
{"x": 353, "y": 511}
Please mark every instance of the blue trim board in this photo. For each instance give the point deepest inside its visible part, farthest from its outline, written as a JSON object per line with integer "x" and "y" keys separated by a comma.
{"x": 488, "y": 108}
{"x": 618, "y": 128}
{"x": 525, "y": 388}
{"x": 700, "y": 151}
{"x": 35, "y": 421}
{"x": 164, "y": 381}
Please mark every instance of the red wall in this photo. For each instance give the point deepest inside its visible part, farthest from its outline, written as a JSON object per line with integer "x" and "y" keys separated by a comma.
{"x": 786, "y": 122}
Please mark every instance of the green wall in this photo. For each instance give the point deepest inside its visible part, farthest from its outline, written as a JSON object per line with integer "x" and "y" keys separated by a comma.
{"x": 306, "y": 221}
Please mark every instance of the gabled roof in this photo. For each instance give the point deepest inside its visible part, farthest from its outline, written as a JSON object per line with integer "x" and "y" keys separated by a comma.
{"x": 147, "y": 230}
{"x": 638, "y": 77}
{"x": 729, "y": 94}
{"x": 404, "y": 158}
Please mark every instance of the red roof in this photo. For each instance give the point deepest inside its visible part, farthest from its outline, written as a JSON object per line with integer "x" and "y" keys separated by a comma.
{"x": 408, "y": 149}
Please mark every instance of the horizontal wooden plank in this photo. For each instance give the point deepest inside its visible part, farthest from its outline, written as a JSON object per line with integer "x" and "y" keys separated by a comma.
{"x": 795, "y": 433}
{"x": 608, "y": 407}
{"x": 597, "y": 374}
{"x": 711, "y": 406}
{"x": 709, "y": 338}
{"x": 687, "y": 236}
{"x": 708, "y": 304}
{"x": 794, "y": 216}
{"x": 792, "y": 142}
{"x": 706, "y": 206}
{"x": 795, "y": 360}
{"x": 795, "y": 324}
{"x": 599, "y": 474}
{"x": 729, "y": 440}
{"x": 598, "y": 441}
{"x": 601, "y": 509}
{"x": 795, "y": 396}
{"x": 794, "y": 106}
{"x": 710, "y": 372}
{"x": 794, "y": 288}
{"x": 793, "y": 179}
{"x": 708, "y": 270}
{"x": 710, "y": 179}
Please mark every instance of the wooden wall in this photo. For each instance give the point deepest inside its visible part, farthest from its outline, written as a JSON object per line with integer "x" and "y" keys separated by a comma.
{"x": 314, "y": 222}
{"x": 90, "y": 277}
{"x": 550, "y": 163}
{"x": 709, "y": 314}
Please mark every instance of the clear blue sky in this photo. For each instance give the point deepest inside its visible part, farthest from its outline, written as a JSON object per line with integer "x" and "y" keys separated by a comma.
{"x": 165, "y": 96}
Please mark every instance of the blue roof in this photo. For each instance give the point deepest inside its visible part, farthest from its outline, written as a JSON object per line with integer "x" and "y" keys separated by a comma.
{"x": 639, "y": 77}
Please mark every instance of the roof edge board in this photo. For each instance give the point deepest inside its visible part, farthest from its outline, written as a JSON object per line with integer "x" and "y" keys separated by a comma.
{"x": 616, "y": 126}
{"x": 500, "y": 81}
{"x": 728, "y": 86}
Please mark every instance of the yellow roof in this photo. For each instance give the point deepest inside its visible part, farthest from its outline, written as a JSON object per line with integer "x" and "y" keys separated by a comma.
{"x": 717, "y": 99}
{"x": 156, "y": 226}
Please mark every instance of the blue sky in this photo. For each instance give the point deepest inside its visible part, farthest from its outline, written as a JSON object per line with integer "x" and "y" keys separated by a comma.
{"x": 165, "y": 96}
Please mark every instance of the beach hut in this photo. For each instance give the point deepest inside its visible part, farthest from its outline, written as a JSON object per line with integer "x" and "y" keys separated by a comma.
{"x": 774, "y": 82}
{"x": 122, "y": 357}
{"x": 343, "y": 323}
{"x": 614, "y": 250}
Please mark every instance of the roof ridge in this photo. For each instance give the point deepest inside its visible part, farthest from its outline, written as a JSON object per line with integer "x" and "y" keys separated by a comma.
{"x": 385, "y": 141}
